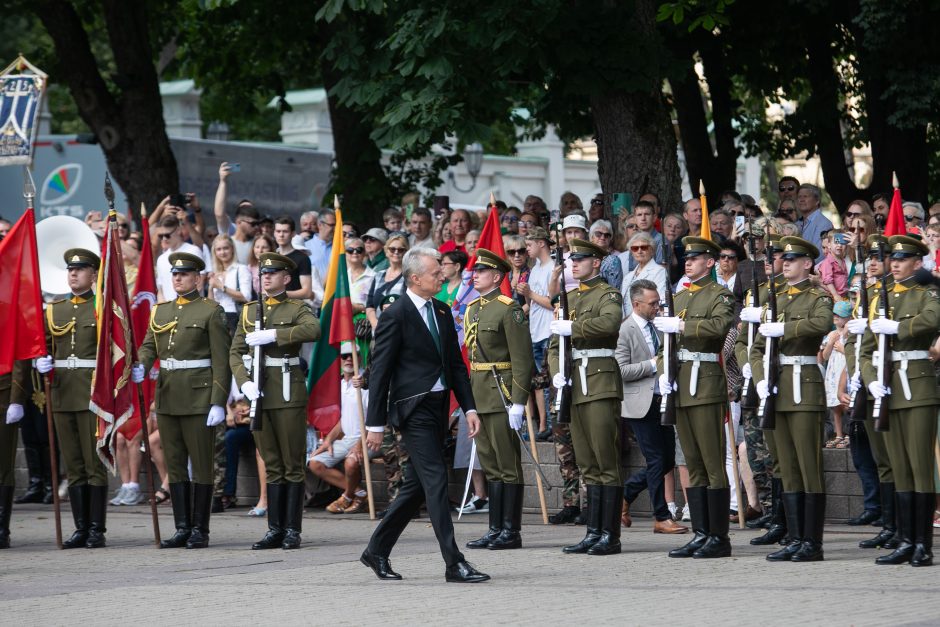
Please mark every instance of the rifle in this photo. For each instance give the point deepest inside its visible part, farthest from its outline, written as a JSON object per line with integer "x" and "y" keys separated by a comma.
{"x": 563, "y": 397}
{"x": 857, "y": 410}
{"x": 880, "y": 410}
{"x": 257, "y": 361}
{"x": 755, "y": 302}
{"x": 767, "y": 409}
{"x": 667, "y": 407}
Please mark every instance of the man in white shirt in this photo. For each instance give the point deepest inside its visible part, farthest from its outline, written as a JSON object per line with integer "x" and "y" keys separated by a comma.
{"x": 171, "y": 241}
{"x": 420, "y": 226}
{"x": 541, "y": 311}
{"x": 321, "y": 244}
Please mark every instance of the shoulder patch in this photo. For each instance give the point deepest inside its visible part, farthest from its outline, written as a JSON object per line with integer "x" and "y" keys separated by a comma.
{"x": 826, "y": 299}
{"x": 614, "y": 296}
{"x": 518, "y": 316}
{"x": 506, "y": 300}
{"x": 724, "y": 299}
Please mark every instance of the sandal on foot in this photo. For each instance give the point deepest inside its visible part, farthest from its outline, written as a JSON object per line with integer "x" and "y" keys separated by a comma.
{"x": 161, "y": 495}
{"x": 843, "y": 443}
{"x": 257, "y": 512}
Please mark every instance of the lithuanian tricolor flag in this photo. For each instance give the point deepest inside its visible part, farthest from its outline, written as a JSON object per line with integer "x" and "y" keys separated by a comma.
{"x": 336, "y": 326}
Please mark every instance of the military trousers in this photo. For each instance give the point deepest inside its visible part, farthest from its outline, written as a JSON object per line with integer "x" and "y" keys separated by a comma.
{"x": 702, "y": 437}
{"x": 282, "y": 443}
{"x": 498, "y": 448}
{"x": 879, "y": 449}
{"x": 595, "y": 435}
{"x": 758, "y": 454}
{"x": 75, "y": 432}
{"x": 798, "y": 436}
{"x": 567, "y": 464}
{"x": 187, "y": 438}
{"x": 9, "y": 435}
{"x": 910, "y": 442}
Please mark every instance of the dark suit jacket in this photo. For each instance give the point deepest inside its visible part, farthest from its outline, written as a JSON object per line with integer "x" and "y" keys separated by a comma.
{"x": 406, "y": 364}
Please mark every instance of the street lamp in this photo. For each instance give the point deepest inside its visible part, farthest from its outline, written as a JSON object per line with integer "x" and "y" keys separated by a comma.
{"x": 473, "y": 158}
{"x": 218, "y": 131}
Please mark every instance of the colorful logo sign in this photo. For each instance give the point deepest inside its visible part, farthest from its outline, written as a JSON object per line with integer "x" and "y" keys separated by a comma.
{"x": 61, "y": 184}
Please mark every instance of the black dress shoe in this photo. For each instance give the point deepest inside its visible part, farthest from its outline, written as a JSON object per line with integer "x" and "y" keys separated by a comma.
{"x": 379, "y": 565}
{"x": 462, "y": 572}
{"x": 544, "y": 436}
{"x": 865, "y": 518}
{"x": 567, "y": 515}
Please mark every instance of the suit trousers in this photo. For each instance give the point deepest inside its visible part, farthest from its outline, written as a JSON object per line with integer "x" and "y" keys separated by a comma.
{"x": 77, "y": 441}
{"x": 187, "y": 438}
{"x": 657, "y": 443}
{"x": 422, "y": 433}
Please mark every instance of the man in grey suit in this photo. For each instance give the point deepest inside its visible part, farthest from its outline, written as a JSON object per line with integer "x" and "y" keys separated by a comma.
{"x": 637, "y": 346}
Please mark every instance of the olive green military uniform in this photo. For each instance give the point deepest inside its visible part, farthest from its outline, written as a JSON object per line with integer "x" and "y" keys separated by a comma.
{"x": 12, "y": 390}
{"x": 282, "y": 439}
{"x": 596, "y": 311}
{"x": 912, "y": 403}
{"x": 806, "y": 314}
{"x": 707, "y": 311}
{"x": 498, "y": 337}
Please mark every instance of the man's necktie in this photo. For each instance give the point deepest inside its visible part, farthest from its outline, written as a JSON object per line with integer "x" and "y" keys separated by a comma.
{"x": 432, "y": 326}
{"x": 652, "y": 330}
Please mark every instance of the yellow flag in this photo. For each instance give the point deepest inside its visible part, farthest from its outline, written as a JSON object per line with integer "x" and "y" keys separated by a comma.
{"x": 706, "y": 226}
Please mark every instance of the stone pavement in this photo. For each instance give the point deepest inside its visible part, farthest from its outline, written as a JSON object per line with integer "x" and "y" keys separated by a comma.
{"x": 130, "y": 582}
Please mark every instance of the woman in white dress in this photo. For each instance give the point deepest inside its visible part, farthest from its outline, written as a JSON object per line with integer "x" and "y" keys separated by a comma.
{"x": 641, "y": 249}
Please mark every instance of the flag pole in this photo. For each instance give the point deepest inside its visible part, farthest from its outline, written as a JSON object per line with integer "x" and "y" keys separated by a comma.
{"x": 535, "y": 456}
{"x": 29, "y": 193}
{"x": 735, "y": 472}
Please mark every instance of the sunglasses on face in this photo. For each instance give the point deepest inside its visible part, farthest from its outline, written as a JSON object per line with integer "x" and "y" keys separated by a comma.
{"x": 728, "y": 257}
{"x": 526, "y": 223}
{"x": 511, "y": 219}
{"x": 512, "y": 252}
{"x": 166, "y": 235}
{"x": 853, "y": 214}
{"x": 637, "y": 249}
{"x": 597, "y": 201}
{"x": 124, "y": 226}
{"x": 253, "y": 223}
{"x": 397, "y": 251}
{"x": 345, "y": 357}
{"x": 910, "y": 218}
{"x": 787, "y": 188}
{"x": 356, "y": 251}
{"x": 601, "y": 234}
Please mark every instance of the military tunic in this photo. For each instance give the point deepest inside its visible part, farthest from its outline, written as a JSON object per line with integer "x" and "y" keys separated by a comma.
{"x": 282, "y": 440}
{"x": 707, "y": 309}
{"x": 597, "y": 389}
{"x": 806, "y": 312}
{"x": 189, "y": 328}
{"x": 72, "y": 340}
{"x": 498, "y": 333}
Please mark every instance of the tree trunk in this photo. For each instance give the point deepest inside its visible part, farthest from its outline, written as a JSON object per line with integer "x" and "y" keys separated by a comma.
{"x": 130, "y": 128}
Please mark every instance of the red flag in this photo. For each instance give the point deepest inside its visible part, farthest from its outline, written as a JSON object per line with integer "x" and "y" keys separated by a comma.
{"x": 491, "y": 238}
{"x": 112, "y": 394}
{"x": 894, "y": 225}
{"x": 21, "y": 331}
{"x": 145, "y": 297}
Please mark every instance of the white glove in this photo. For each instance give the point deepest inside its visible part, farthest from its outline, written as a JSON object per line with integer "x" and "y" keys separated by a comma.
{"x": 137, "y": 373}
{"x": 878, "y": 390}
{"x": 855, "y": 383}
{"x": 761, "y": 388}
{"x": 857, "y": 326}
{"x": 751, "y": 314}
{"x": 664, "y": 388}
{"x": 44, "y": 364}
{"x": 561, "y": 327}
{"x": 260, "y": 338}
{"x": 516, "y": 416}
{"x": 14, "y": 413}
{"x": 216, "y": 416}
{"x": 667, "y": 324}
{"x": 746, "y": 371}
{"x": 771, "y": 329}
{"x": 559, "y": 381}
{"x": 885, "y": 326}
{"x": 250, "y": 390}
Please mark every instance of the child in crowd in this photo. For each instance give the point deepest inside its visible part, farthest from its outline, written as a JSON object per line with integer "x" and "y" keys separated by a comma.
{"x": 833, "y": 271}
{"x": 832, "y": 354}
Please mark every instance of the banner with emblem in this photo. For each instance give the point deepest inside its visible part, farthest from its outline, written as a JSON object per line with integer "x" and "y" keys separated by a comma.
{"x": 22, "y": 85}
{"x": 112, "y": 395}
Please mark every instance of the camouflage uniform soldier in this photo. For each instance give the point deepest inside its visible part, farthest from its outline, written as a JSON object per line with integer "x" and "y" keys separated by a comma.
{"x": 570, "y": 474}
{"x": 12, "y": 399}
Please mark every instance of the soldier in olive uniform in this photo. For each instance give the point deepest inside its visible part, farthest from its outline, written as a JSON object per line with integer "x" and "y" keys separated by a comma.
{"x": 12, "y": 399}
{"x": 498, "y": 338}
{"x": 912, "y": 396}
{"x": 287, "y": 324}
{"x": 596, "y": 392}
{"x": 703, "y": 315}
{"x": 776, "y": 520}
{"x": 189, "y": 337}
{"x": 72, "y": 340}
{"x": 887, "y": 537}
{"x": 804, "y": 318}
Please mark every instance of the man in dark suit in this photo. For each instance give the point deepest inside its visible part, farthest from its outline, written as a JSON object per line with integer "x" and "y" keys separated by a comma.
{"x": 416, "y": 363}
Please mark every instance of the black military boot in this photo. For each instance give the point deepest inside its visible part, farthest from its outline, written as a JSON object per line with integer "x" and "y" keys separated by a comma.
{"x": 182, "y": 500}
{"x": 595, "y": 501}
{"x": 814, "y": 519}
{"x": 34, "y": 491}
{"x": 6, "y": 509}
{"x": 905, "y": 550}
{"x": 294, "y": 514}
{"x": 777, "y": 530}
{"x": 202, "y": 509}
{"x": 697, "y": 500}
{"x": 511, "y": 521}
{"x": 793, "y": 505}
{"x": 609, "y": 544}
{"x": 567, "y": 515}
{"x": 494, "y": 492}
{"x": 924, "y": 505}
{"x": 79, "y": 500}
{"x": 274, "y": 538}
{"x": 718, "y": 544}
{"x": 97, "y": 515}
{"x": 889, "y": 526}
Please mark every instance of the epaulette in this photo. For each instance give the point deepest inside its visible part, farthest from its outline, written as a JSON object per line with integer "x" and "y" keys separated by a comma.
{"x": 475, "y": 300}
{"x": 164, "y": 302}
{"x": 505, "y": 299}
{"x": 56, "y": 302}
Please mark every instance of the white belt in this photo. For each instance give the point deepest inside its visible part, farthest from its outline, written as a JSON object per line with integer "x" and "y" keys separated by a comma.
{"x": 74, "y": 362}
{"x": 904, "y": 357}
{"x": 284, "y": 363}
{"x": 184, "y": 364}
{"x": 797, "y": 362}
{"x": 584, "y": 356}
{"x": 696, "y": 359}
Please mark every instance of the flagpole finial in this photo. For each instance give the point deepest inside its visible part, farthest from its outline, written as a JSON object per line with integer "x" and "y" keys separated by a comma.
{"x": 894, "y": 180}
{"x": 335, "y": 202}
{"x": 701, "y": 188}
{"x": 108, "y": 191}
{"x": 492, "y": 199}
{"x": 29, "y": 187}
{"x": 143, "y": 211}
